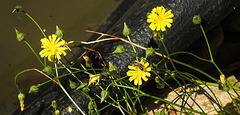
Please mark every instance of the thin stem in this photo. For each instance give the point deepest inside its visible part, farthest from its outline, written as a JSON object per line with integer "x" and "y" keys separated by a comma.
{"x": 36, "y": 25}
{"x": 209, "y": 49}
{"x": 132, "y": 46}
{"x": 59, "y": 83}
{"x": 15, "y": 80}
{"x": 34, "y": 53}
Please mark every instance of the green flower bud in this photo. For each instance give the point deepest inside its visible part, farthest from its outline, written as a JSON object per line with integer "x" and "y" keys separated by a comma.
{"x": 33, "y": 89}
{"x": 150, "y": 52}
{"x": 159, "y": 83}
{"x": 18, "y": 9}
{"x": 83, "y": 87}
{"x": 59, "y": 32}
{"x": 21, "y": 97}
{"x": 126, "y": 30}
{"x": 88, "y": 61}
{"x": 112, "y": 68}
{"x": 47, "y": 70}
{"x": 156, "y": 36}
{"x": 119, "y": 50}
{"x": 104, "y": 95}
{"x": 54, "y": 104}
{"x": 69, "y": 109}
{"x": 57, "y": 112}
{"x": 20, "y": 36}
{"x": 197, "y": 19}
{"x": 72, "y": 84}
{"x": 90, "y": 105}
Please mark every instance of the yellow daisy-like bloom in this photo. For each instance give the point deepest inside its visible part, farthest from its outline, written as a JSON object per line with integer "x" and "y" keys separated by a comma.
{"x": 139, "y": 71}
{"x": 159, "y": 18}
{"x": 94, "y": 78}
{"x": 53, "y": 48}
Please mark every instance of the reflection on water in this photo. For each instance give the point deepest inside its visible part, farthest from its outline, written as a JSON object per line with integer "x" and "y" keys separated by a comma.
{"x": 74, "y": 17}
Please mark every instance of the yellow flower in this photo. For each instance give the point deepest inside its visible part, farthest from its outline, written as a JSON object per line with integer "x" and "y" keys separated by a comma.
{"x": 138, "y": 71}
{"x": 94, "y": 78}
{"x": 53, "y": 48}
{"x": 159, "y": 18}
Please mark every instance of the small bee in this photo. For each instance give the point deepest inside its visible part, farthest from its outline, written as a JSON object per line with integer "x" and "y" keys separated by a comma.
{"x": 139, "y": 65}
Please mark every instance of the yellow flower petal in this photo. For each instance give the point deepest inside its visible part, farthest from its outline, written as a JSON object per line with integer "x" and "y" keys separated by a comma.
{"x": 159, "y": 19}
{"x": 138, "y": 74}
{"x": 52, "y": 47}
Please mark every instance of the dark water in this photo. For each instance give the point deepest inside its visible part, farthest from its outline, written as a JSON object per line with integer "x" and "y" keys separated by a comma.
{"x": 74, "y": 17}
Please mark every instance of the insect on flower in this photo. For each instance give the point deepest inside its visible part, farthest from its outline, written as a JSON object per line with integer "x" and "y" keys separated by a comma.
{"x": 139, "y": 65}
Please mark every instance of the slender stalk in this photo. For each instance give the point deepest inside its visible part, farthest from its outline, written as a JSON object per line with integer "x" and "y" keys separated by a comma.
{"x": 36, "y": 25}
{"x": 132, "y": 46}
{"x": 59, "y": 83}
{"x": 34, "y": 53}
{"x": 209, "y": 50}
{"x": 15, "y": 80}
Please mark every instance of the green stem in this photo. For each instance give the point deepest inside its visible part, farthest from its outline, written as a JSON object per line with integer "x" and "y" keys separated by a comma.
{"x": 15, "y": 80}
{"x": 34, "y": 53}
{"x": 209, "y": 49}
{"x": 132, "y": 46}
{"x": 157, "y": 98}
{"x": 59, "y": 83}
{"x": 36, "y": 24}
{"x": 196, "y": 69}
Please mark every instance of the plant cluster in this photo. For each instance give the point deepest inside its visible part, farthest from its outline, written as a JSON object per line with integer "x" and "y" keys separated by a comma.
{"x": 127, "y": 88}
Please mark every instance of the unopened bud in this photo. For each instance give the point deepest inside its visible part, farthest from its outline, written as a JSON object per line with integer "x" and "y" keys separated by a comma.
{"x": 104, "y": 95}
{"x": 112, "y": 68}
{"x": 57, "y": 112}
{"x": 18, "y": 9}
{"x": 126, "y": 30}
{"x": 69, "y": 109}
{"x": 119, "y": 50}
{"x": 197, "y": 19}
{"x": 59, "y": 32}
{"x": 54, "y": 104}
{"x": 72, "y": 84}
{"x": 21, "y": 97}
{"x": 20, "y": 35}
{"x": 223, "y": 79}
{"x": 88, "y": 61}
{"x": 33, "y": 89}
{"x": 150, "y": 52}
{"x": 47, "y": 70}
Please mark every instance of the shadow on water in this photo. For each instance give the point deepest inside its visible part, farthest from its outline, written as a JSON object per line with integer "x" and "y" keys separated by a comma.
{"x": 74, "y": 17}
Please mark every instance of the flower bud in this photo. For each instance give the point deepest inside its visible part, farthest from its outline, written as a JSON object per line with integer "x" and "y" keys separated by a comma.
{"x": 59, "y": 32}
{"x": 88, "y": 61}
{"x": 47, "y": 70}
{"x": 57, "y": 112}
{"x": 20, "y": 36}
{"x": 112, "y": 68}
{"x": 223, "y": 79}
{"x": 69, "y": 109}
{"x": 94, "y": 78}
{"x": 33, "y": 89}
{"x": 156, "y": 36}
{"x": 119, "y": 50}
{"x": 18, "y": 9}
{"x": 150, "y": 52}
{"x": 72, "y": 84}
{"x": 104, "y": 95}
{"x": 197, "y": 19}
{"x": 21, "y": 98}
{"x": 126, "y": 30}
{"x": 90, "y": 105}
{"x": 54, "y": 104}
{"x": 83, "y": 87}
